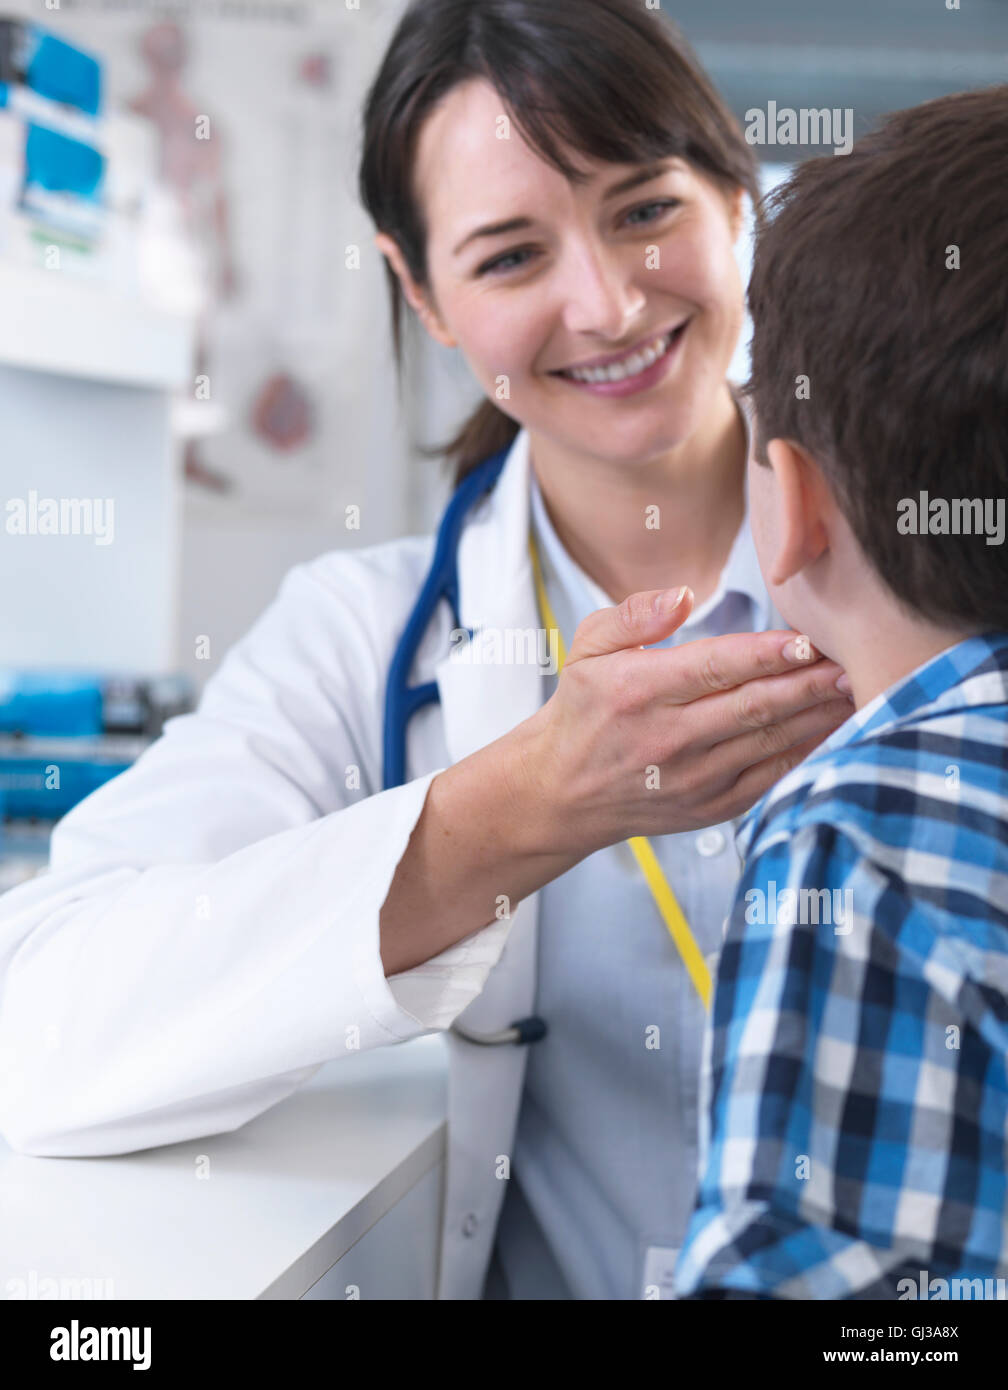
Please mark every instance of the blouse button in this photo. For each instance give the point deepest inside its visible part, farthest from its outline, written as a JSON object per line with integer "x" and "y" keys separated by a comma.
{"x": 711, "y": 842}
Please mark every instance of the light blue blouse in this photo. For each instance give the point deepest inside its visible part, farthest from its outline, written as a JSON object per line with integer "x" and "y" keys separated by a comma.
{"x": 604, "y": 1163}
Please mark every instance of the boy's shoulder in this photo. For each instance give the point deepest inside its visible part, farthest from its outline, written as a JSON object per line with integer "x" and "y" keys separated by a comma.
{"x": 907, "y": 771}
{"x": 940, "y": 767}
{"x": 900, "y": 832}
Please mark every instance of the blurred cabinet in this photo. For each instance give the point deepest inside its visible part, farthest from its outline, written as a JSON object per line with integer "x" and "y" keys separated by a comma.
{"x": 86, "y": 446}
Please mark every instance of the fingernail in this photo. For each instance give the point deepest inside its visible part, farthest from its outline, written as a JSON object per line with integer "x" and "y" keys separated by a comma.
{"x": 797, "y": 649}
{"x": 843, "y": 684}
{"x": 671, "y": 599}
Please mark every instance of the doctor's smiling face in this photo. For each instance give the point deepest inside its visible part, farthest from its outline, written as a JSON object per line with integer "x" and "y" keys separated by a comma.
{"x": 611, "y": 303}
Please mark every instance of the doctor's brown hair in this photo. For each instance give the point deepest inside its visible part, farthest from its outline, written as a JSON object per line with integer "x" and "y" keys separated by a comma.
{"x": 880, "y": 277}
{"x": 608, "y": 79}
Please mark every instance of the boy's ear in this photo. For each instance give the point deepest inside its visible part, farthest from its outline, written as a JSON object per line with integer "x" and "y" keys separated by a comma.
{"x": 803, "y": 502}
{"x": 414, "y": 295}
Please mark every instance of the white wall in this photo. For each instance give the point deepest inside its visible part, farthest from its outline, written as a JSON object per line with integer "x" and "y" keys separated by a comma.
{"x": 67, "y": 599}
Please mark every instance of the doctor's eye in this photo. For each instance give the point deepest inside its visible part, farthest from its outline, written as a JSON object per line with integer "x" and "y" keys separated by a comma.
{"x": 657, "y": 207}
{"x": 508, "y": 261}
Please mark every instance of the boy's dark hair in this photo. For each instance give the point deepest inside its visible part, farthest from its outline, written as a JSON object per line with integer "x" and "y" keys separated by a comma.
{"x": 906, "y": 357}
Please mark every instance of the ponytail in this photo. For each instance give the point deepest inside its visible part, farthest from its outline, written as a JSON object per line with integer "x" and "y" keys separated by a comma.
{"x": 487, "y": 431}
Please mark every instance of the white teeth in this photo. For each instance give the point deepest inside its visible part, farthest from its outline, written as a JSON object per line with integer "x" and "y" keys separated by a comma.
{"x": 629, "y": 367}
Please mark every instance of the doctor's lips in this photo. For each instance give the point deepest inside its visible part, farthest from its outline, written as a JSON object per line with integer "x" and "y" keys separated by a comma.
{"x": 626, "y": 373}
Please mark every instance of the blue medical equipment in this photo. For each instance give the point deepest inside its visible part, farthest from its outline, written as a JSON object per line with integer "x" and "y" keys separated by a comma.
{"x": 51, "y": 704}
{"x": 54, "y": 69}
{"x": 401, "y": 699}
{"x": 65, "y": 733}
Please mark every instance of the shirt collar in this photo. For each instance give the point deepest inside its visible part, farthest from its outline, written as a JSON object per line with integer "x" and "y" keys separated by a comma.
{"x": 741, "y": 573}
{"x": 971, "y": 673}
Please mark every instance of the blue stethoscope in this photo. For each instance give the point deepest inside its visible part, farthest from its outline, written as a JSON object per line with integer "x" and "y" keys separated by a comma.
{"x": 403, "y": 700}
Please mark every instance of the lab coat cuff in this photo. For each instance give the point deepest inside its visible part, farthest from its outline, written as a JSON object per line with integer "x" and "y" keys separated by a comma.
{"x": 435, "y": 992}
{"x": 433, "y": 986}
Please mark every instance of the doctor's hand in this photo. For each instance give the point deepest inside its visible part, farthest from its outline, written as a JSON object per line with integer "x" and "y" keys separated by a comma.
{"x": 653, "y": 742}
{"x": 632, "y": 742}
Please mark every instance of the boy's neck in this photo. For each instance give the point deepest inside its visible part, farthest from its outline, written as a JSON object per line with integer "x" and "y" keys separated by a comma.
{"x": 851, "y": 615}
{"x": 879, "y": 651}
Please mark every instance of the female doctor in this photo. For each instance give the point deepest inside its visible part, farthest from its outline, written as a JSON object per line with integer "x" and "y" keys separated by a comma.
{"x": 556, "y": 188}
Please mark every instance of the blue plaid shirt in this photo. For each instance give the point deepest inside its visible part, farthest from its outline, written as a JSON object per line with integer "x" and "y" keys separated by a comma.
{"x": 855, "y": 1103}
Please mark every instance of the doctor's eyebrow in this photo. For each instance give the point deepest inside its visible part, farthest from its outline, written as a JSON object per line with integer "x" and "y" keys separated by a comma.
{"x": 521, "y": 224}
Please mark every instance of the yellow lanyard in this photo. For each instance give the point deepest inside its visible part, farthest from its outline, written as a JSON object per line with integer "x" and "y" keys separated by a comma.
{"x": 665, "y": 899}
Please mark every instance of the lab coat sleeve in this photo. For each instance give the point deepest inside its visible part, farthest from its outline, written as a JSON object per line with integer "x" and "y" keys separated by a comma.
{"x": 207, "y": 934}
{"x": 436, "y": 992}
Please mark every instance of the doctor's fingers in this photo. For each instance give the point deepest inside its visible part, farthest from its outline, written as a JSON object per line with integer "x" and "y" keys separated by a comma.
{"x": 739, "y": 795}
{"x": 715, "y": 665}
{"x": 757, "y": 706}
{"x": 757, "y": 780}
{"x": 774, "y": 748}
{"x": 642, "y": 618}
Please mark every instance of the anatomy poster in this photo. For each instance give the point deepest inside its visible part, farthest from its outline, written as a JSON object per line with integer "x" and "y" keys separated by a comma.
{"x": 254, "y": 109}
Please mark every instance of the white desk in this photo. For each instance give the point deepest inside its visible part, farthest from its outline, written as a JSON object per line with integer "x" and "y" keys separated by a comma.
{"x": 334, "y": 1193}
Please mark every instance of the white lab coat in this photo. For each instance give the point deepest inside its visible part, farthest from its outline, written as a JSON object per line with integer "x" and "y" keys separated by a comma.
{"x": 208, "y": 929}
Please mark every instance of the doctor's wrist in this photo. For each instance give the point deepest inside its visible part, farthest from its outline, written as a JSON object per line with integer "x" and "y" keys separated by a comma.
{"x": 544, "y": 809}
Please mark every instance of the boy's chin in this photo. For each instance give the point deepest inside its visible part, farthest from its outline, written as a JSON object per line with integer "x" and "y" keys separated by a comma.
{"x": 793, "y": 615}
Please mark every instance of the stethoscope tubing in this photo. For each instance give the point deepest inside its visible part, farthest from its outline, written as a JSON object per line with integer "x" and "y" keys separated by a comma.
{"x": 401, "y": 699}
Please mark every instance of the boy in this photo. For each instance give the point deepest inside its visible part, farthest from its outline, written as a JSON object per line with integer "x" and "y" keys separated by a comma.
{"x": 854, "y": 1138}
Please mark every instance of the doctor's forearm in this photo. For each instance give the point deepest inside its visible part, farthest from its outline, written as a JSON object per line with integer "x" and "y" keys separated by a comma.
{"x": 483, "y": 834}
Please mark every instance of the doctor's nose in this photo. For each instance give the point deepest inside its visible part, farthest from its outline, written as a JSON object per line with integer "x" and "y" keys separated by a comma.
{"x": 602, "y": 296}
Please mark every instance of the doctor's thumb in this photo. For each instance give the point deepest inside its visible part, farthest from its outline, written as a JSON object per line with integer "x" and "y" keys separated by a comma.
{"x": 638, "y": 621}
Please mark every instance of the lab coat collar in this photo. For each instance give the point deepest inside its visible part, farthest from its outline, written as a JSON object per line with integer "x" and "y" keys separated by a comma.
{"x": 481, "y": 698}
{"x": 497, "y": 530}
{"x": 480, "y": 702}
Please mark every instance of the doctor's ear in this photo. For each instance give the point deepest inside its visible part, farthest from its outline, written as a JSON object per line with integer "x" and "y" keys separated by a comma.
{"x": 736, "y": 212}
{"x": 415, "y": 297}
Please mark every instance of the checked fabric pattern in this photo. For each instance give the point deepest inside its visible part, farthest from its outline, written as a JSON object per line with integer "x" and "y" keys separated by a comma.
{"x": 855, "y": 1096}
